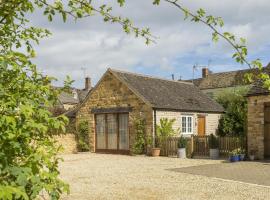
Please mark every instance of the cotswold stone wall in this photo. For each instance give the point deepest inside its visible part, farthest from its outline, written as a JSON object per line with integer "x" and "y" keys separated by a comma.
{"x": 211, "y": 123}
{"x": 68, "y": 141}
{"x": 109, "y": 93}
{"x": 256, "y": 124}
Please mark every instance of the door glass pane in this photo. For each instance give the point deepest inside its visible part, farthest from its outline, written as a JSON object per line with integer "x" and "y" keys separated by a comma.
{"x": 112, "y": 131}
{"x": 123, "y": 132}
{"x": 100, "y": 129}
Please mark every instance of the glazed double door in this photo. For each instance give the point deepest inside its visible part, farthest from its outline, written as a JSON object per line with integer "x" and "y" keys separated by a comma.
{"x": 112, "y": 133}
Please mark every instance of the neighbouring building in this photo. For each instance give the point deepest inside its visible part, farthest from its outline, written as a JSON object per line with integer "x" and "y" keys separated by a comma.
{"x": 119, "y": 98}
{"x": 69, "y": 100}
{"x": 213, "y": 84}
{"x": 259, "y": 121}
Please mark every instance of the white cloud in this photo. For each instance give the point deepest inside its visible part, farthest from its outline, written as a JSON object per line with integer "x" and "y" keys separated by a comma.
{"x": 92, "y": 44}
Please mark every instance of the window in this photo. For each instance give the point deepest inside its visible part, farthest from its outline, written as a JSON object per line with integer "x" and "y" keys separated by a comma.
{"x": 187, "y": 124}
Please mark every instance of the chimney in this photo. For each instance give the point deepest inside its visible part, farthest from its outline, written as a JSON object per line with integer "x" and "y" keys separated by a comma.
{"x": 205, "y": 72}
{"x": 87, "y": 83}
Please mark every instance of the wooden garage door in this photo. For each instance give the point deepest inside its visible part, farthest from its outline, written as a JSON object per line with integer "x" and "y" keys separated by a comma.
{"x": 267, "y": 130}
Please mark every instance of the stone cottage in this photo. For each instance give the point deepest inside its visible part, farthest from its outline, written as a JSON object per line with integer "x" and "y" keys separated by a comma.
{"x": 119, "y": 98}
{"x": 259, "y": 121}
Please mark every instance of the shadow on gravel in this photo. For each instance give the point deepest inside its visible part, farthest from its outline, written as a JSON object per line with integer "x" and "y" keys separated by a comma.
{"x": 249, "y": 172}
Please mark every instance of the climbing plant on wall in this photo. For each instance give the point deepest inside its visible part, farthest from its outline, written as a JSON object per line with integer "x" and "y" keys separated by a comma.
{"x": 83, "y": 136}
{"x": 139, "y": 142}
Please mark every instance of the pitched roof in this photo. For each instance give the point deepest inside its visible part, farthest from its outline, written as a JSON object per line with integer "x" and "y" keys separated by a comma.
{"x": 67, "y": 98}
{"x": 224, "y": 79}
{"x": 168, "y": 94}
{"x": 257, "y": 89}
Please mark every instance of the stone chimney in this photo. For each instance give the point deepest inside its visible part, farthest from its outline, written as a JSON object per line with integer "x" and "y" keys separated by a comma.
{"x": 87, "y": 83}
{"x": 205, "y": 72}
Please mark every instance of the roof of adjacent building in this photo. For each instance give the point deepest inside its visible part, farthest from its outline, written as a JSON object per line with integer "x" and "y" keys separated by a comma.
{"x": 168, "y": 94}
{"x": 224, "y": 79}
{"x": 75, "y": 96}
{"x": 258, "y": 89}
{"x": 68, "y": 98}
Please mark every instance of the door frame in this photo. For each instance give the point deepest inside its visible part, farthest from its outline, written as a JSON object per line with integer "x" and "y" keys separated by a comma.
{"x": 265, "y": 144}
{"x": 204, "y": 117}
{"x": 111, "y": 151}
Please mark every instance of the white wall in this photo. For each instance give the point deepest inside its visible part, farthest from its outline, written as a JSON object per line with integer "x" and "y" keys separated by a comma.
{"x": 211, "y": 122}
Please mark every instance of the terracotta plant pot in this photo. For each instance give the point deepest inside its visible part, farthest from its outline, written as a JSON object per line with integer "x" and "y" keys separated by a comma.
{"x": 155, "y": 152}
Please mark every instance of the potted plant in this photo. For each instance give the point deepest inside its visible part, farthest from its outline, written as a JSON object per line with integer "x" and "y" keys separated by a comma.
{"x": 182, "y": 143}
{"x": 252, "y": 155}
{"x": 241, "y": 153}
{"x": 234, "y": 156}
{"x": 155, "y": 151}
{"x": 164, "y": 130}
{"x": 214, "y": 147}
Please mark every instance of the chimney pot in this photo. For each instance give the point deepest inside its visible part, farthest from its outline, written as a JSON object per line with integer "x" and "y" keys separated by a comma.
{"x": 205, "y": 72}
{"x": 87, "y": 83}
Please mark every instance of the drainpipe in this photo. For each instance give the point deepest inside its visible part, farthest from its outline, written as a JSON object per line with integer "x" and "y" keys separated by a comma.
{"x": 155, "y": 129}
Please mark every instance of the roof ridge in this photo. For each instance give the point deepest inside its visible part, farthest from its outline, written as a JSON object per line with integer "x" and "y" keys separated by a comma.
{"x": 233, "y": 71}
{"x": 149, "y": 76}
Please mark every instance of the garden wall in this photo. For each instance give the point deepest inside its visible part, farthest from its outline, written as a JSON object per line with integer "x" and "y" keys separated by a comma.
{"x": 68, "y": 141}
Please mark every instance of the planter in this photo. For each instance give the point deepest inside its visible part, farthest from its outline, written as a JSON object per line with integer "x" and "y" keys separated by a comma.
{"x": 181, "y": 153}
{"x": 149, "y": 151}
{"x": 234, "y": 158}
{"x": 214, "y": 154}
{"x": 155, "y": 152}
{"x": 242, "y": 157}
{"x": 252, "y": 157}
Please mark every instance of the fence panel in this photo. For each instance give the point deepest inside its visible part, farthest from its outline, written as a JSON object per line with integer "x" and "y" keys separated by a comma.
{"x": 229, "y": 143}
{"x": 199, "y": 145}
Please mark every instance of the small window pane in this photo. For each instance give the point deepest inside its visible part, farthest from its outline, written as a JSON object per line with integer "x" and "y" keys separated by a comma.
{"x": 189, "y": 124}
{"x": 184, "y": 126}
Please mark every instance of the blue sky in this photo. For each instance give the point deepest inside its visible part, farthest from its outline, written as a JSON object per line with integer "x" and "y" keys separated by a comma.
{"x": 91, "y": 44}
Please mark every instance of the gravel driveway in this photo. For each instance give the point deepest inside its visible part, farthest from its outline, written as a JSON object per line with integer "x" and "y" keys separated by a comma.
{"x": 101, "y": 176}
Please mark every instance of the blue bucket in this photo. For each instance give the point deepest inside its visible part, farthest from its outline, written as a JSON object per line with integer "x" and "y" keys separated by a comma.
{"x": 234, "y": 158}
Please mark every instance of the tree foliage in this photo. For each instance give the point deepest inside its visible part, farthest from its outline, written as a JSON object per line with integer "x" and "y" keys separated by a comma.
{"x": 28, "y": 154}
{"x": 234, "y": 121}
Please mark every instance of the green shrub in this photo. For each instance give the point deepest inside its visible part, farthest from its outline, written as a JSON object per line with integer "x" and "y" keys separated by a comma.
{"x": 83, "y": 136}
{"x": 213, "y": 142}
{"x": 234, "y": 121}
{"x": 182, "y": 142}
{"x": 165, "y": 130}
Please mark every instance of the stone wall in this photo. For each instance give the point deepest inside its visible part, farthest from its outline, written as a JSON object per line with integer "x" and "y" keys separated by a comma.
{"x": 256, "y": 124}
{"x": 110, "y": 92}
{"x": 69, "y": 143}
{"x": 211, "y": 122}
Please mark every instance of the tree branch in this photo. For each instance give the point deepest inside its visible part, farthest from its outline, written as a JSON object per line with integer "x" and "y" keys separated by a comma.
{"x": 235, "y": 46}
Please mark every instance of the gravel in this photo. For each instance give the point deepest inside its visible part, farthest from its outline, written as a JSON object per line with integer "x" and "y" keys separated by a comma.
{"x": 104, "y": 176}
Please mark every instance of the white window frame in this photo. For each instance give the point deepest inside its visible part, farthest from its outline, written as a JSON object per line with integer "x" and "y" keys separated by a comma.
{"x": 188, "y": 130}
